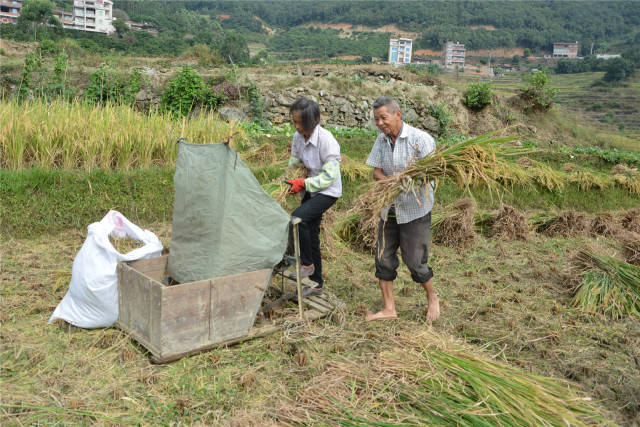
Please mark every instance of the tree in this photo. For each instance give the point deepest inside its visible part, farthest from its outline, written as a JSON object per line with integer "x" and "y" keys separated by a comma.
{"x": 38, "y": 12}
{"x": 618, "y": 69}
{"x": 120, "y": 26}
{"x": 234, "y": 48}
{"x": 538, "y": 96}
{"x": 527, "y": 52}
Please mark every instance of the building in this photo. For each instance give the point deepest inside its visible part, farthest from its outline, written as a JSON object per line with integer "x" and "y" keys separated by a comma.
{"x": 453, "y": 55}
{"x": 93, "y": 15}
{"x": 141, "y": 26}
{"x": 606, "y": 56}
{"x": 400, "y": 51}
{"x": 565, "y": 50}
{"x": 10, "y": 11}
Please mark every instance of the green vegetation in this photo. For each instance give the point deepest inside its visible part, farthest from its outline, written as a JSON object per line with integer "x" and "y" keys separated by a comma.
{"x": 478, "y": 95}
{"x": 106, "y": 85}
{"x": 187, "y": 91}
{"x": 538, "y": 96}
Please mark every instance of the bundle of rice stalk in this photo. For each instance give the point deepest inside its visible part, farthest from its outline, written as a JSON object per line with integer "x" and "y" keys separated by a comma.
{"x": 353, "y": 170}
{"x": 586, "y": 180}
{"x": 605, "y": 225}
{"x": 567, "y": 223}
{"x": 455, "y": 228}
{"x": 329, "y": 221}
{"x": 359, "y": 227}
{"x": 631, "y": 220}
{"x": 278, "y": 188}
{"x": 543, "y": 175}
{"x": 470, "y": 162}
{"x": 429, "y": 380}
{"x": 509, "y": 223}
{"x": 630, "y": 183}
{"x": 631, "y": 248}
{"x": 263, "y": 154}
{"x": 622, "y": 169}
{"x": 607, "y": 286}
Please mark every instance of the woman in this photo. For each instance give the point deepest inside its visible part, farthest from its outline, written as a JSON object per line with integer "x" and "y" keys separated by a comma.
{"x": 319, "y": 152}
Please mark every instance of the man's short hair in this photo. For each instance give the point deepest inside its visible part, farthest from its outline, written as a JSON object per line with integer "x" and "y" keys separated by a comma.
{"x": 386, "y": 101}
{"x": 309, "y": 113}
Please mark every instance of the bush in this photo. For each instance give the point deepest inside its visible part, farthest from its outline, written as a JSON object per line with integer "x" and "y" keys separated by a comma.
{"x": 187, "y": 91}
{"x": 107, "y": 85}
{"x": 538, "y": 96}
{"x": 478, "y": 95}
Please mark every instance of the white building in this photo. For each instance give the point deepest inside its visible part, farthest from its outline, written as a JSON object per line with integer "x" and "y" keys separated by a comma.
{"x": 92, "y": 15}
{"x": 453, "y": 55}
{"x": 400, "y": 51}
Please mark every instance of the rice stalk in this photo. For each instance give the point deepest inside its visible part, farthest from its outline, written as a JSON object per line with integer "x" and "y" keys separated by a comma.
{"x": 278, "y": 188}
{"x": 455, "y": 225}
{"x": 263, "y": 154}
{"x": 631, "y": 249}
{"x": 468, "y": 163}
{"x": 428, "y": 380}
{"x": 608, "y": 285}
{"x": 353, "y": 170}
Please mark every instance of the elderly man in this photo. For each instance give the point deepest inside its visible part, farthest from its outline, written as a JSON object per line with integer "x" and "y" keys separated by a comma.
{"x": 406, "y": 224}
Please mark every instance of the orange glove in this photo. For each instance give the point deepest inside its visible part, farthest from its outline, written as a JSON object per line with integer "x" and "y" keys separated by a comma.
{"x": 297, "y": 185}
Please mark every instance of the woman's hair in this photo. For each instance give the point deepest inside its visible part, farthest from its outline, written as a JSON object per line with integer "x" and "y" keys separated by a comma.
{"x": 309, "y": 113}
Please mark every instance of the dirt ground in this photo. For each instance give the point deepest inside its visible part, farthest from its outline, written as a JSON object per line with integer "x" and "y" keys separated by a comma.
{"x": 506, "y": 298}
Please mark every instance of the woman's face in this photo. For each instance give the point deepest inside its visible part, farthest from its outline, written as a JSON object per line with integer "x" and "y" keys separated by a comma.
{"x": 297, "y": 123}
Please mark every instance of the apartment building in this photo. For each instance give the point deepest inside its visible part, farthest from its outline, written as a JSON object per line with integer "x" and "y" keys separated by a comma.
{"x": 453, "y": 55}
{"x": 93, "y": 15}
{"x": 400, "y": 51}
{"x": 565, "y": 50}
{"x": 10, "y": 11}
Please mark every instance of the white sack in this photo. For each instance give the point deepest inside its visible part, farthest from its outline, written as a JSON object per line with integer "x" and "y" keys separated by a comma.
{"x": 92, "y": 299}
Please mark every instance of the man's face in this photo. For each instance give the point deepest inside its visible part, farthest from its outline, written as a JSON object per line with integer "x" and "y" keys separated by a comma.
{"x": 388, "y": 123}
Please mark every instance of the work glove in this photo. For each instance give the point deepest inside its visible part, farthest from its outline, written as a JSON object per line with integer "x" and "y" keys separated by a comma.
{"x": 297, "y": 185}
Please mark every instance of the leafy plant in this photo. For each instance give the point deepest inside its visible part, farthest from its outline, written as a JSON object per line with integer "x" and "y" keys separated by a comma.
{"x": 442, "y": 114}
{"x": 257, "y": 104}
{"x": 107, "y": 85}
{"x": 538, "y": 96}
{"x": 186, "y": 91}
{"x": 32, "y": 63}
{"x": 478, "y": 95}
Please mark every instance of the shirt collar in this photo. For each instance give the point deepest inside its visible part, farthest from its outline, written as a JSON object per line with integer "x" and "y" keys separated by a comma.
{"x": 313, "y": 139}
{"x": 403, "y": 134}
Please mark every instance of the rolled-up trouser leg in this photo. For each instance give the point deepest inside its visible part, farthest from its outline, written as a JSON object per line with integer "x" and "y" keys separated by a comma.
{"x": 414, "y": 244}
{"x": 387, "y": 249}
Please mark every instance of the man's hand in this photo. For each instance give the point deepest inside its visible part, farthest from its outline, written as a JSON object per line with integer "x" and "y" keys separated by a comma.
{"x": 297, "y": 185}
{"x": 378, "y": 175}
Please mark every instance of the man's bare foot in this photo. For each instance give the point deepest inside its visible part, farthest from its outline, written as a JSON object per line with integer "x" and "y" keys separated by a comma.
{"x": 433, "y": 312}
{"x": 382, "y": 314}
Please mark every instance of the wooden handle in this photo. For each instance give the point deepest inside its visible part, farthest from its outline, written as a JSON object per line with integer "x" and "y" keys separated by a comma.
{"x": 184, "y": 120}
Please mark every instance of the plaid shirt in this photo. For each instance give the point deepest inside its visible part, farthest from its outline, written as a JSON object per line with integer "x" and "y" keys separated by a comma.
{"x": 411, "y": 144}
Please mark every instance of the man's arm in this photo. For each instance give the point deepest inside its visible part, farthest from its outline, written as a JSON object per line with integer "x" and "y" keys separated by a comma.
{"x": 378, "y": 174}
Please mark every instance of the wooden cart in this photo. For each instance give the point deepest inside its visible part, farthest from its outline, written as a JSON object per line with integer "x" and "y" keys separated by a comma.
{"x": 175, "y": 321}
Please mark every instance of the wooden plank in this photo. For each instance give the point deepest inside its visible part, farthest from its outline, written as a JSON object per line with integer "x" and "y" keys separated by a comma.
{"x": 316, "y": 306}
{"x": 311, "y": 315}
{"x": 235, "y": 301}
{"x": 322, "y": 302}
{"x": 153, "y": 268}
{"x": 185, "y": 317}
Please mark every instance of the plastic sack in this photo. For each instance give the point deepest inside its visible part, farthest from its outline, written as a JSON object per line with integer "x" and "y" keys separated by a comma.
{"x": 92, "y": 298}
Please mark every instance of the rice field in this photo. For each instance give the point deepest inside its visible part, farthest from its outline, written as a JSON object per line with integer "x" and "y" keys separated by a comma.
{"x": 516, "y": 344}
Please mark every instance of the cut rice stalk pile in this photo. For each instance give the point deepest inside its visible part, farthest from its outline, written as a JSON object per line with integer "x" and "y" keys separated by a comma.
{"x": 454, "y": 226}
{"x": 608, "y": 285}
{"x": 429, "y": 380}
{"x": 567, "y": 223}
{"x": 631, "y": 248}
{"x": 605, "y": 225}
{"x": 470, "y": 162}
{"x": 509, "y": 223}
{"x": 263, "y": 154}
{"x": 631, "y": 220}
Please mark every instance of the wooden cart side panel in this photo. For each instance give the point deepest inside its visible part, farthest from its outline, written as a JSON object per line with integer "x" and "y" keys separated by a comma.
{"x": 235, "y": 302}
{"x": 136, "y": 312}
{"x": 154, "y": 268}
{"x": 185, "y": 317}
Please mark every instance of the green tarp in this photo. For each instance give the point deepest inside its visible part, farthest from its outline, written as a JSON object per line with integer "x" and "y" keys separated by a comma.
{"x": 223, "y": 221}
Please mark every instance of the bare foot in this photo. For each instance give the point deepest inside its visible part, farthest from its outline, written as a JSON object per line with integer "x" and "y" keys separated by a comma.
{"x": 382, "y": 314}
{"x": 433, "y": 312}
